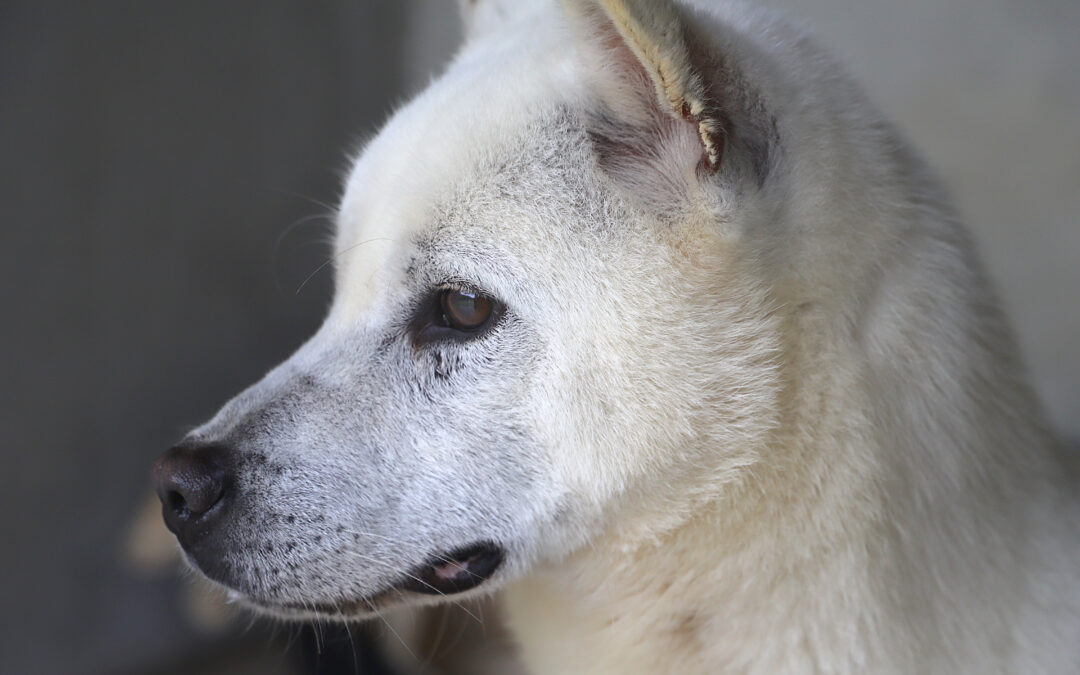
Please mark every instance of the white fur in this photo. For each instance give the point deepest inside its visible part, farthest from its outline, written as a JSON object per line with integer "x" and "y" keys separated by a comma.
{"x": 757, "y": 412}
{"x": 909, "y": 512}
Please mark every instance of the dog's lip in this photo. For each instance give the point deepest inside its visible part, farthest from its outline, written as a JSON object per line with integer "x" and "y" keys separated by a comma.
{"x": 457, "y": 571}
{"x": 356, "y": 607}
{"x": 454, "y": 572}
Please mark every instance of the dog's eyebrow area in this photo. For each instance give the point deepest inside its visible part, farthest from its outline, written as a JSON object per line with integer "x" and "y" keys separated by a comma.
{"x": 384, "y": 244}
{"x": 442, "y": 180}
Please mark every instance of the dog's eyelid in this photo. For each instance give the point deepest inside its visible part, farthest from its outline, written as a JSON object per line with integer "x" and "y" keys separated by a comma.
{"x": 431, "y": 323}
{"x": 461, "y": 285}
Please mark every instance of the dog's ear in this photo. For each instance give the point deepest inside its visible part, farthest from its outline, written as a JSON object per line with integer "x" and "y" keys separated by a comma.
{"x": 650, "y": 46}
{"x": 480, "y": 17}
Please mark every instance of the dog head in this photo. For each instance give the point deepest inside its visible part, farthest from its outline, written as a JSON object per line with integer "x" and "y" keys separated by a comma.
{"x": 546, "y": 328}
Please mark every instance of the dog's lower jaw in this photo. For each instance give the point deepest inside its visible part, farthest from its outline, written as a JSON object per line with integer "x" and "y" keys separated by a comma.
{"x": 357, "y": 609}
{"x": 446, "y": 575}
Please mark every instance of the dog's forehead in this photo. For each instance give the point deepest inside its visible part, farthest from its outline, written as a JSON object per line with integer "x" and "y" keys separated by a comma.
{"x": 433, "y": 153}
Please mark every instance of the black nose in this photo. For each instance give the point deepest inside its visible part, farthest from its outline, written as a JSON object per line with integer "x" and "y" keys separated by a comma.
{"x": 192, "y": 480}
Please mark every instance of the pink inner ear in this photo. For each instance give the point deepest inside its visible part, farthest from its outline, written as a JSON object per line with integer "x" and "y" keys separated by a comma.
{"x": 652, "y": 164}
{"x": 648, "y": 150}
{"x": 618, "y": 76}
{"x": 639, "y": 140}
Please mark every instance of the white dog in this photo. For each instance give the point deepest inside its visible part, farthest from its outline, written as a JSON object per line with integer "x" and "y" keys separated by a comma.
{"x": 647, "y": 316}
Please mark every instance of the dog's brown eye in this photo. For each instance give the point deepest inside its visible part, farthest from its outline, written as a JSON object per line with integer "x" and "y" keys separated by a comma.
{"x": 464, "y": 310}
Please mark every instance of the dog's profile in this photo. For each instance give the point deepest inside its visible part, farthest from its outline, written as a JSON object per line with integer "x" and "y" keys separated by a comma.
{"x": 646, "y": 316}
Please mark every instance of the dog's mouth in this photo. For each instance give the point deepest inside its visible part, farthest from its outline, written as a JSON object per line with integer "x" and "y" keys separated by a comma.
{"x": 457, "y": 571}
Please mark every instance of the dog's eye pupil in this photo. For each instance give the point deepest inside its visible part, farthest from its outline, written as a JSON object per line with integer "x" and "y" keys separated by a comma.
{"x": 465, "y": 310}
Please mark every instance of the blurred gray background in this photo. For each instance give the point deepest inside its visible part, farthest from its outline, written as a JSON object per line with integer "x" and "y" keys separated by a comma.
{"x": 164, "y": 173}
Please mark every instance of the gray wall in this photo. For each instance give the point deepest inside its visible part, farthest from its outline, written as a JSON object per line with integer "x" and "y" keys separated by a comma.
{"x": 989, "y": 92}
{"x": 157, "y": 161}
{"x": 154, "y": 159}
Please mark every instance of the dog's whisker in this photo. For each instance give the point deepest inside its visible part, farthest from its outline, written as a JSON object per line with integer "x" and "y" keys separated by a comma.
{"x": 439, "y": 633}
{"x": 301, "y": 221}
{"x": 292, "y": 226}
{"x": 392, "y": 570}
{"x": 343, "y": 619}
{"x": 373, "y": 608}
{"x": 437, "y": 556}
{"x": 348, "y": 632}
{"x": 460, "y": 634}
{"x": 334, "y": 258}
{"x": 317, "y": 629}
{"x": 307, "y": 198}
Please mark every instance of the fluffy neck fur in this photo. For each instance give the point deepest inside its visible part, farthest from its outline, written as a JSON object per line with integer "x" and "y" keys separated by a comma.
{"x": 909, "y": 514}
{"x": 844, "y": 550}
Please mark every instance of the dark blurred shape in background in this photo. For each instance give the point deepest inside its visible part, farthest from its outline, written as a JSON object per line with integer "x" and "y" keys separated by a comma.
{"x": 166, "y": 173}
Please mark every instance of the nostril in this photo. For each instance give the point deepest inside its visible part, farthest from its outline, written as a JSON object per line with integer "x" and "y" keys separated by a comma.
{"x": 175, "y": 501}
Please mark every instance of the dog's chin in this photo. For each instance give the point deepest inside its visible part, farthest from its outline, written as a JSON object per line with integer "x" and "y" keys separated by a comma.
{"x": 443, "y": 575}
